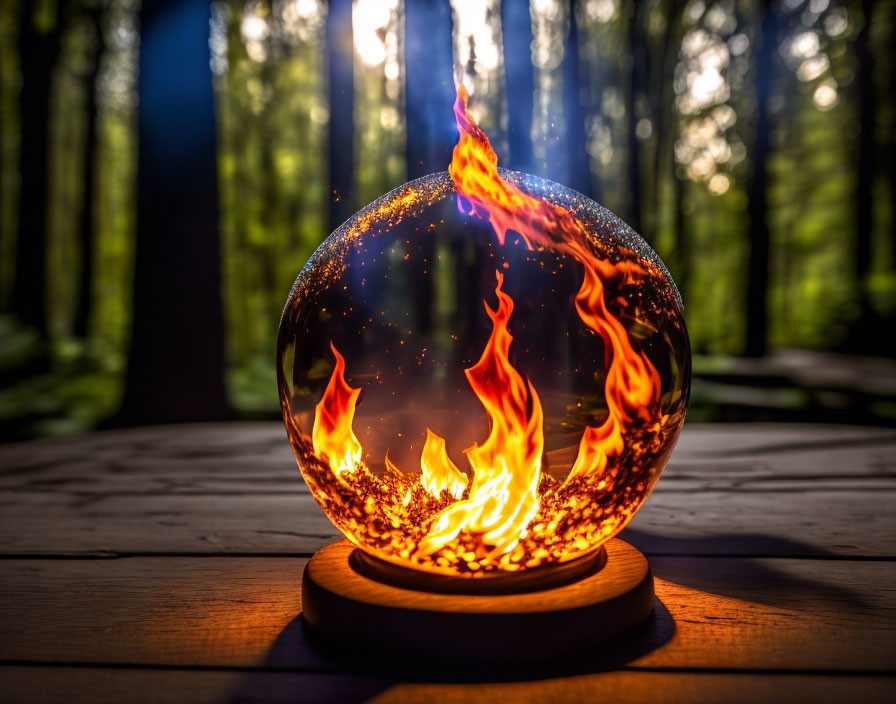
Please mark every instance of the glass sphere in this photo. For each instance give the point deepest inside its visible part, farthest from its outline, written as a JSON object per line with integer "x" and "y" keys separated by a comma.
{"x": 470, "y": 404}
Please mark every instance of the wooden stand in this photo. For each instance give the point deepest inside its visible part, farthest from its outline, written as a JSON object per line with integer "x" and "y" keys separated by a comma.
{"x": 346, "y": 606}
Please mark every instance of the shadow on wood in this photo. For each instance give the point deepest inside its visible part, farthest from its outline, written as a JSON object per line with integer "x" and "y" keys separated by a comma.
{"x": 755, "y": 577}
{"x": 372, "y": 672}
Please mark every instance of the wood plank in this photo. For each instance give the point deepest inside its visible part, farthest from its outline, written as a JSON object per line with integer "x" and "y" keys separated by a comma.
{"x": 203, "y": 458}
{"x": 829, "y": 523}
{"x": 720, "y": 457}
{"x": 31, "y": 685}
{"x": 70, "y": 685}
{"x": 780, "y": 614}
{"x": 652, "y": 687}
{"x": 234, "y": 489}
{"x": 45, "y": 524}
{"x": 208, "y": 490}
{"x": 246, "y": 458}
{"x": 858, "y": 523}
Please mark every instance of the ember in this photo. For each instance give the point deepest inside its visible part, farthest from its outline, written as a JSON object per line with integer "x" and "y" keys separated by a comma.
{"x": 614, "y": 363}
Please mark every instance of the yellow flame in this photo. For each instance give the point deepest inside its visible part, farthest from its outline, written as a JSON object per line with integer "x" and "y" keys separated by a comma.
{"x": 633, "y": 384}
{"x": 503, "y": 496}
{"x": 332, "y": 435}
{"x": 438, "y": 472}
{"x": 506, "y": 467}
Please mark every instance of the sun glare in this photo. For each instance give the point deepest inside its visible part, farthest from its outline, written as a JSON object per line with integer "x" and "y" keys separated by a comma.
{"x": 369, "y": 20}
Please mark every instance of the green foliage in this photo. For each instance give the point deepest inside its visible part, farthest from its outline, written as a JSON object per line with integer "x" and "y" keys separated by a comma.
{"x": 270, "y": 82}
{"x": 70, "y": 387}
{"x": 271, "y": 137}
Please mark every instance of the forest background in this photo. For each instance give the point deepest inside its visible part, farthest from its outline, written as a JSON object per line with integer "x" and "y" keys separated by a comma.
{"x": 166, "y": 168}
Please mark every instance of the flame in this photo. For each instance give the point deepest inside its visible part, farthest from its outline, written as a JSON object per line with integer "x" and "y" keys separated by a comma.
{"x": 332, "y": 435}
{"x": 633, "y": 384}
{"x": 508, "y": 515}
{"x": 438, "y": 472}
{"x": 506, "y": 467}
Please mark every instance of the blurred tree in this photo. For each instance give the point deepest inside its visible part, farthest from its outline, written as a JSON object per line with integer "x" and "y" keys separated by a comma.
{"x": 891, "y": 142}
{"x": 667, "y": 123}
{"x": 429, "y": 96}
{"x": 176, "y": 361}
{"x": 758, "y": 136}
{"x": 4, "y": 296}
{"x": 86, "y": 221}
{"x": 578, "y": 163}
{"x": 340, "y": 55}
{"x": 270, "y": 178}
{"x": 663, "y": 114}
{"x": 429, "y": 100}
{"x": 681, "y": 240}
{"x": 756, "y": 335}
{"x": 380, "y": 160}
{"x": 237, "y": 188}
{"x": 864, "y": 333}
{"x": 39, "y": 44}
{"x": 519, "y": 81}
{"x": 636, "y": 87}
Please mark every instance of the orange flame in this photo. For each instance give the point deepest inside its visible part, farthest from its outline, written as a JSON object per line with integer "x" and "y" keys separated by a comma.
{"x": 633, "y": 384}
{"x": 506, "y": 467}
{"x": 438, "y": 472}
{"x": 503, "y": 496}
{"x": 332, "y": 435}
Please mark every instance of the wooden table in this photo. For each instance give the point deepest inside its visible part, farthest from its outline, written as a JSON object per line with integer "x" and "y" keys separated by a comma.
{"x": 163, "y": 565}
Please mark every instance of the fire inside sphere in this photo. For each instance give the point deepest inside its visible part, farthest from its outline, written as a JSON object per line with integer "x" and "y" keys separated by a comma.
{"x": 482, "y": 372}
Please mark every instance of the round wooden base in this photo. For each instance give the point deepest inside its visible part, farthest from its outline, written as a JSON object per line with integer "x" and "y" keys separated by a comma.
{"x": 346, "y": 607}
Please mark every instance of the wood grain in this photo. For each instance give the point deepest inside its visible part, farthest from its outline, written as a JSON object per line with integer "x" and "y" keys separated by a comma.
{"x": 256, "y": 458}
{"x": 654, "y": 687}
{"x": 346, "y": 606}
{"x": 62, "y": 685}
{"x": 208, "y": 489}
{"x": 715, "y": 613}
{"x": 772, "y": 548}
{"x": 624, "y": 570}
{"x": 42, "y": 685}
{"x": 856, "y": 523}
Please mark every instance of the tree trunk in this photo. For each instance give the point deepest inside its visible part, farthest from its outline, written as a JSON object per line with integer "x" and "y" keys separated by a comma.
{"x": 340, "y": 55}
{"x": 176, "y": 362}
{"x": 270, "y": 179}
{"x": 4, "y": 294}
{"x": 38, "y": 51}
{"x": 667, "y": 131}
{"x": 431, "y": 129}
{"x": 578, "y": 161}
{"x": 680, "y": 235}
{"x": 756, "y": 342}
{"x": 865, "y": 170}
{"x": 240, "y": 278}
{"x": 637, "y": 54}
{"x": 519, "y": 81}
{"x": 86, "y": 224}
{"x": 891, "y": 158}
{"x": 429, "y": 93}
{"x": 663, "y": 111}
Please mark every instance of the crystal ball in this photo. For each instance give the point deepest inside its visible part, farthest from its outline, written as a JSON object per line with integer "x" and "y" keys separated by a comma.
{"x": 472, "y": 400}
